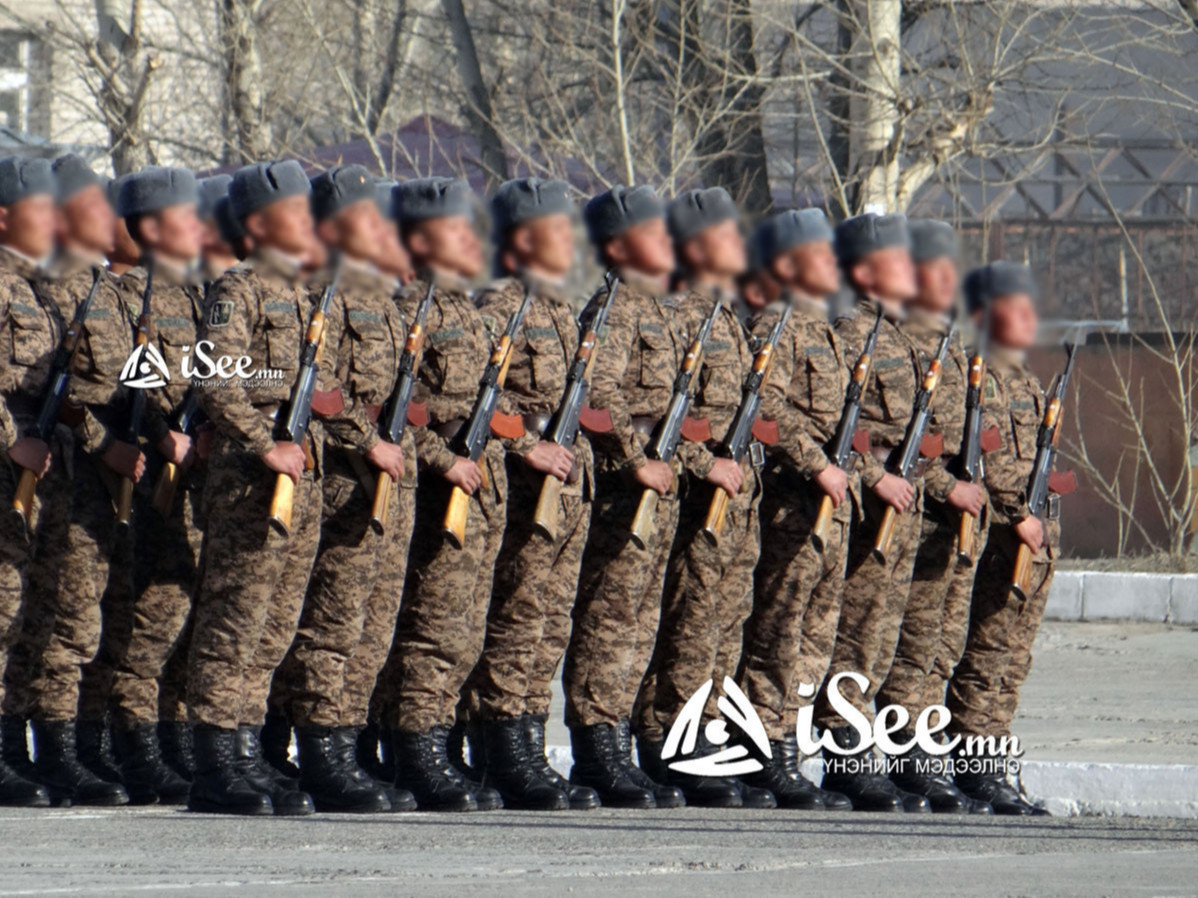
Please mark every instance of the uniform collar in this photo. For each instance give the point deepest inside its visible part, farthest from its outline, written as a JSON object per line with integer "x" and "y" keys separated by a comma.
{"x": 556, "y": 291}
{"x": 1006, "y": 358}
{"x": 815, "y": 306}
{"x": 169, "y": 273}
{"x": 892, "y": 311}
{"x": 642, "y": 284}
{"x": 447, "y": 281}
{"x": 937, "y": 321}
{"x": 68, "y": 262}
{"x": 272, "y": 261}
{"x": 17, "y": 261}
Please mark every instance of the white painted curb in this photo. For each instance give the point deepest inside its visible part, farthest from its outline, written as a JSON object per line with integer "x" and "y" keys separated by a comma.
{"x": 1067, "y": 788}
{"x": 1108, "y": 595}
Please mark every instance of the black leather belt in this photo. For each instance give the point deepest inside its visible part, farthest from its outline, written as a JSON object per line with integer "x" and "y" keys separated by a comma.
{"x": 537, "y": 422}
{"x": 447, "y": 430}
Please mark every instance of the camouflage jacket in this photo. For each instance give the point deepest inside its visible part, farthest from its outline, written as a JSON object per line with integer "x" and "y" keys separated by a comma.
{"x": 30, "y": 330}
{"x": 807, "y": 384}
{"x": 633, "y": 376}
{"x": 893, "y": 381}
{"x": 258, "y": 310}
{"x": 456, "y": 349}
{"x": 726, "y": 362}
{"x": 1015, "y": 402}
{"x": 926, "y": 330}
{"x": 106, "y": 344}
{"x": 176, "y": 315}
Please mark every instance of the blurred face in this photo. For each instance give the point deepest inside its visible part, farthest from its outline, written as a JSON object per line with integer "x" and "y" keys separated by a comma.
{"x": 28, "y": 225}
{"x": 645, "y": 248}
{"x": 212, "y": 243}
{"x": 887, "y": 274}
{"x": 937, "y": 281}
{"x": 175, "y": 233}
{"x": 810, "y": 267}
{"x": 285, "y": 225}
{"x": 1013, "y": 321}
{"x": 125, "y": 250}
{"x": 87, "y": 222}
{"x": 760, "y": 290}
{"x": 544, "y": 245}
{"x": 356, "y": 230}
{"x": 390, "y": 255}
{"x": 448, "y": 243}
{"x": 717, "y": 251}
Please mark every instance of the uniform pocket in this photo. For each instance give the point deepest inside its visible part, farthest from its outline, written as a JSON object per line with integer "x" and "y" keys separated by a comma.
{"x": 719, "y": 384}
{"x": 371, "y": 351}
{"x": 1025, "y": 424}
{"x": 282, "y": 328}
{"x": 32, "y": 339}
{"x": 452, "y": 369}
{"x": 547, "y": 361}
{"x": 824, "y": 386}
{"x": 658, "y": 364}
{"x": 895, "y": 383}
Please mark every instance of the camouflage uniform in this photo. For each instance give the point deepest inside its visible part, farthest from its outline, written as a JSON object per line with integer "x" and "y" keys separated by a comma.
{"x": 933, "y": 631}
{"x": 790, "y": 635}
{"x": 254, "y": 578}
{"x": 63, "y": 618}
{"x": 30, "y": 330}
{"x": 442, "y": 619}
{"x": 875, "y": 592}
{"x": 535, "y": 580}
{"x": 984, "y": 691}
{"x": 355, "y": 566}
{"x": 168, "y": 549}
{"x": 709, "y": 589}
{"x": 619, "y": 589}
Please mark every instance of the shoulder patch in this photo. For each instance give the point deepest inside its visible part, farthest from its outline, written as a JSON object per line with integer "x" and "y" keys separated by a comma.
{"x": 221, "y": 313}
{"x": 990, "y": 389}
{"x": 491, "y": 323}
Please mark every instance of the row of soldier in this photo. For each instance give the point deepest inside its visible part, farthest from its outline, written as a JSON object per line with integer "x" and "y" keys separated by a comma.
{"x": 169, "y": 654}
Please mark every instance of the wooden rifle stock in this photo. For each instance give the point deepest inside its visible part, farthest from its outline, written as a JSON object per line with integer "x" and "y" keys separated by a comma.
{"x": 713, "y": 526}
{"x": 645, "y": 520}
{"x": 819, "y": 531}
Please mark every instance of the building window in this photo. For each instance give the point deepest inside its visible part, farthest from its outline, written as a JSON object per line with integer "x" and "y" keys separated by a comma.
{"x": 15, "y": 50}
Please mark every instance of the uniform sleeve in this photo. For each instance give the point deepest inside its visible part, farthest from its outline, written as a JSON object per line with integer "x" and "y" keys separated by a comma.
{"x": 1006, "y": 475}
{"x": 432, "y": 449}
{"x": 8, "y": 424}
{"x": 607, "y": 392}
{"x": 350, "y": 428}
{"x": 696, "y": 458}
{"x": 795, "y": 439}
{"x": 226, "y": 403}
{"x": 938, "y": 482}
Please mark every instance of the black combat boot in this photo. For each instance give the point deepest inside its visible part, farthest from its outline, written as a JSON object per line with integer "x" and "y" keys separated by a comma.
{"x": 780, "y": 775}
{"x": 345, "y": 743}
{"x": 217, "y": 787}
{"x": 511, "y": 771}
{"x": 58, "y": 769}
{"x": 923, "y": 774}
{"x": 466, "y": 742}
{"x": 597, "y": 766}
{"x": 328, "y": 781}
{"x": 284, "y": 792}
{"x": 699, "y": 791}
{"x": 854, "y": 776}
{"x": 581, "y": 797}
{"x": 14, "y": 745}
{"x": 423, "y": 768}
{"x": 275, "y": 738}
{"x": 93, "y": 742}
{"x": 366, "y": 753}
{"x": 666, "y": 796}
{"x": 146, "y": 776}
{"x": 984, "y": 779}
{"x": 175, "y": 742}
{"x": 16, "y": 791}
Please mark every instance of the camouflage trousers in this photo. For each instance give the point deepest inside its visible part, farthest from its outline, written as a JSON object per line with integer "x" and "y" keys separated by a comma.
{"x": 874, "y": 600}
{"x": 16, "y": 554}
{"x": 791, "y": 631}
{"x": 932, "y": 636}
{"x": 167, "y": 560}
{"x": 357, "y": 571}
{"x": 536, "y": 581}
{"x": 443, "y": 616}
{"x": 252, "y": 588}
{"x": 707, "y": 597}
{"x": 618, "y": 605}
{"x": 983, "y": 694}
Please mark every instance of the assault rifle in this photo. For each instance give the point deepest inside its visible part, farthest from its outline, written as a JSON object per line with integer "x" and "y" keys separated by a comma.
{"x": 137, "y": 402}
{"x": 740, "y": 432}
{"x": 183, "y": 421}
{"x": 563, "y": 428}
{"x": 471, "y": 440}
{"x": 294, "y": 427}
{"x": 56, "y": 391}
{"x": 840, "y": 449}
{"x": 908, "y": 450}
{"x": 669, "y": 431}
{"x": 970, "y": 468}
{"x": 395, "y": 419}
{"x": 1042, "y": 469}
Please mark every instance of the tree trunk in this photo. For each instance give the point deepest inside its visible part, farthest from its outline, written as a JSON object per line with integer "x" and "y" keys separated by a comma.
{"x": 251, "y": 132}
{"x": 873, "y": 116}
{"x": 478, "y": 98}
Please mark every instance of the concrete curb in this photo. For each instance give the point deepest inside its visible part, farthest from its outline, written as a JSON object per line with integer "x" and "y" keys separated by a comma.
{"x": 1068, "y": 788}
{"x": 1108, "y": 595}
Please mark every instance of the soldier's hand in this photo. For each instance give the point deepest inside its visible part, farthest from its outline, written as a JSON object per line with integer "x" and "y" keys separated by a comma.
{"x": 835, "y": 482}
{"x": 388, "y": 458}
{"x": 126, "y": 459}
{"x": 465, "y": 475}
{"x": 286, "y": 458}
{"x": 174, "y": 447}
{"x": 895, "y": 492}
{"x": 31, "y": 454}
{"x": 1031, "y": 532}
{"x": 550, "y": 458}
{"x": 655, "y": 475}
{"x": 967, "y": 497}
{"x": 726, "y": 474}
